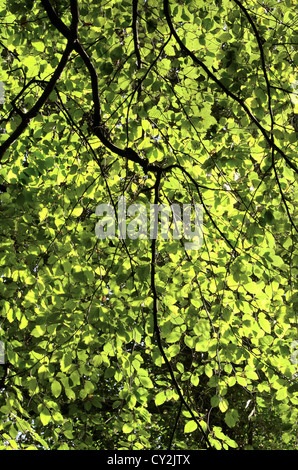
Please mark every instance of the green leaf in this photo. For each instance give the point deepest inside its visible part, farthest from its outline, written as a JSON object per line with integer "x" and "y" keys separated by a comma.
{"x": 75, "y": 377}
{"x": 93, "y": 329}
{"x": 66, "y": 361}
{"x": 23, "y": 322}
{"x": 43, "y": 214}
{"x": 195, "y": 380}
{"x": 70, "y": 393}
{"x": 173, "y": 337}
{"x": 38, "y": 331}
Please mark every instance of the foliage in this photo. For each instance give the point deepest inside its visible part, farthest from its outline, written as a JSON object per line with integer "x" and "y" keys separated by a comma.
{"x": 139, "y": 343}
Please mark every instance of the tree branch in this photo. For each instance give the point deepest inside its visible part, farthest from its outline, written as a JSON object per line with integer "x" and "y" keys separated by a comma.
{"x": 156, "y": 329}
{"x": 229, "y": 93}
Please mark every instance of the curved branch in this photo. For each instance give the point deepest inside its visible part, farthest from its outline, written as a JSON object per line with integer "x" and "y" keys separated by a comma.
{"x": 71, "y": 34}
{"x": 54, "y": 18}
{"x": 251, "y": 22}
{"x": 156, "y": 329}
{"x": 26, "y": 117}
{"x": 258, "y": 38}
{"x": 135, "y": 32}
{"x": 229, "y": 93}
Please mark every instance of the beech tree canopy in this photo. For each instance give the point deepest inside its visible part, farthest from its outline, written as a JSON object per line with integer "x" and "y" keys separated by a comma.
{"x": 138, "y": 342}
